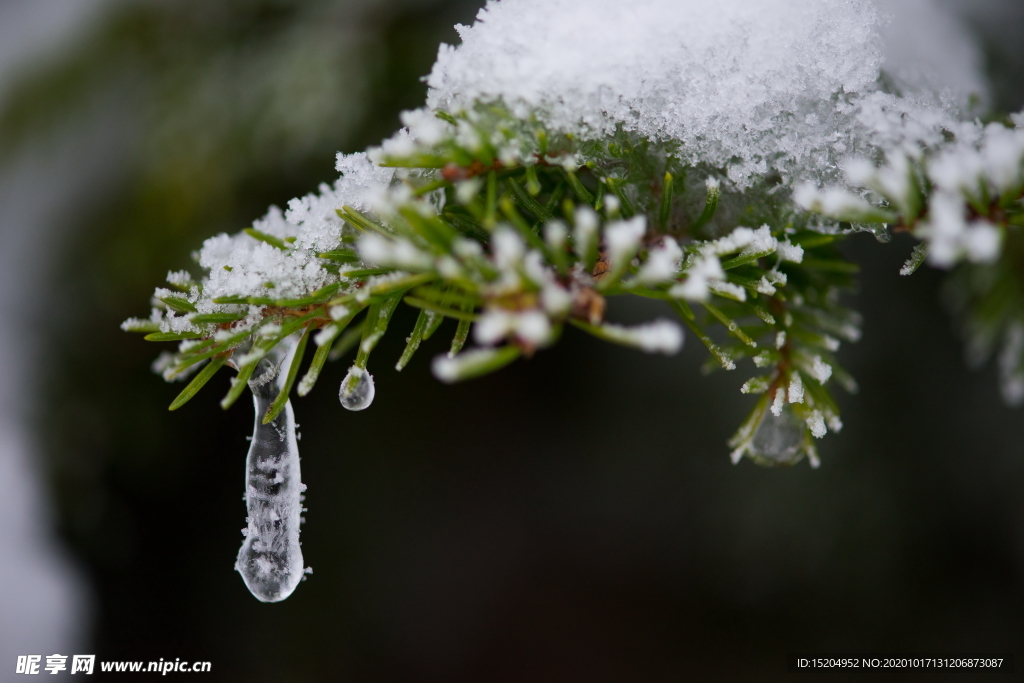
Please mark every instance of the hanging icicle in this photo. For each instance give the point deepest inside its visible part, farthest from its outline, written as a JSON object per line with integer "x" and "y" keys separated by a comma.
{"x": 270, "y": 559}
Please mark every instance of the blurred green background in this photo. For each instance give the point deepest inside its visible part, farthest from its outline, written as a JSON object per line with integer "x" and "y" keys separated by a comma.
{"x": 573, "y": 518}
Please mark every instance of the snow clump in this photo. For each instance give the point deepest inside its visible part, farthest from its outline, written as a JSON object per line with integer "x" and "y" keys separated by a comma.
{"x": 749, "y": 86}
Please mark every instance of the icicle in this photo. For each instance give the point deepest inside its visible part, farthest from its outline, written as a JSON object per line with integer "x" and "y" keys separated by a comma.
{"x": 270, "y": 560}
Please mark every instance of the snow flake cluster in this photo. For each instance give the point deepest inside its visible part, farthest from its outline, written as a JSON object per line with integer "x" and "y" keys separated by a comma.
{"x": 972, "y": 180}
{"x": 240, "y": 265}
{"x": 750, "y": 86}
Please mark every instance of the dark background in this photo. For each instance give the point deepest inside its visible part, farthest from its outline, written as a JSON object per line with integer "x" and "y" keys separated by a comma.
{"x": 573, "y": 518}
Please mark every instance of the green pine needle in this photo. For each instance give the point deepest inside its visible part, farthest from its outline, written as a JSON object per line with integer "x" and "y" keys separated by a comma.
{"x": 269, "y": 239}
{"x": 413, "y": 343}
{"x": 198, "y": 382}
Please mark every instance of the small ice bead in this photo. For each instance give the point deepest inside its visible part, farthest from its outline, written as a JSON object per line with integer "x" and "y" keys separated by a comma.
{"x": 357, "y": 389}
{"x": 779, "y": 439}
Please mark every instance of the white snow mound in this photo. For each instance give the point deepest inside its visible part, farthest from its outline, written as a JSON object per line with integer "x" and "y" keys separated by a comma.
{"x": 745, "y": 85}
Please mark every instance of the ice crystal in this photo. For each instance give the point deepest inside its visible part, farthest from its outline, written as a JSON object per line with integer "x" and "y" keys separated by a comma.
{"x": 270, "y": 559}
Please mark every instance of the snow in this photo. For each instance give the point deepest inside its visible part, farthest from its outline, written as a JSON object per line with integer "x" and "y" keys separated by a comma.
{"x": 816, "y": 423}
{"x": 424, "y": 126}
{"x": 755, "y": 385}
{"x": 662, "y": 263}
{"x": 993, "y": 155}
{"x": 779, "y": 402}
{"x": 700, "y": 272}
{"x": 952, "y": 238}
{"x": 466, "y": 364}
{"x": 555, "y": 299}
{"x": 745, "y": 240}
{"x": 789, "y": 252}
{"x": 660, "y": 336}
{"x": 704, "y": 269}
{"x": 796, "y": 389}
{"x": 310, "y": 221}
{"x": 727, "y": 289}
{"x": 496, "y": 325}
{"x": 397, "y": 252}
{"x": 744, "y": 85}
{"x": 729, "y": 79}
{"x": 508, "y": 248}
{"x": 585, "y": 229}
{"x": 835, "y": 202}
{"x": 556, "y": 235}
{"x": 820, "y": 370}
{"x": 622, "y": 239}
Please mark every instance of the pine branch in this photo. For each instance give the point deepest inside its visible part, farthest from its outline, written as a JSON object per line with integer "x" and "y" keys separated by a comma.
{"x": 526, "y": 230}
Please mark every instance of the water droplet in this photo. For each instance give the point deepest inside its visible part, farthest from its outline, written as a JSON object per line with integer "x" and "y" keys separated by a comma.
{"x": 357, "y": 390}
{"x": 270, "y": 560}
{"x": 778, "y": 440}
